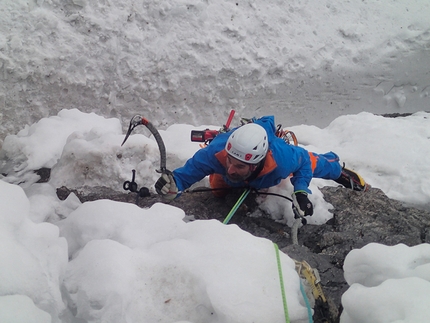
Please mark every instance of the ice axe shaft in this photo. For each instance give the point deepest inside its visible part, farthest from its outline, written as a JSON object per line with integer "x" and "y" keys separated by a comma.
{"x": 139, "y": 120}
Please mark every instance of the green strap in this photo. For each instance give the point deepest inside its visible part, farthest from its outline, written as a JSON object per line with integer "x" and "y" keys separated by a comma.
{"x": 281, "y": 280}
{"x": 236, "y": 206}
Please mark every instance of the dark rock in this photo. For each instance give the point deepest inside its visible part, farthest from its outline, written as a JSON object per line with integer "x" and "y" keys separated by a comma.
{"x": 44, "y": 173}
{"x": 358, "y": 219}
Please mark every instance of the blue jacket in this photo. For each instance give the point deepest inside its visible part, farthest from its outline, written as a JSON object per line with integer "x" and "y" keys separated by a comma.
{"x": 282, "y": 160}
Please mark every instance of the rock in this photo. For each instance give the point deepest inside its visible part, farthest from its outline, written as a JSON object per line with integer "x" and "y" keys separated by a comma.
{"x": 358, "y": 219}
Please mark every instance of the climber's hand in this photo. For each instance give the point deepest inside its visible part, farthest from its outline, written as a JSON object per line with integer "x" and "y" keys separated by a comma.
{"x": 302, "y": 203}
{"x": 166, "y": 186}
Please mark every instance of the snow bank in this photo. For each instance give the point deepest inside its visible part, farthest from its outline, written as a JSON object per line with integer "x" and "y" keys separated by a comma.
{"x": 33, "y": 259}
{"x": 388, "y": 284}
{"x": 309, "y": 61}
{"x": 133, "y": 263}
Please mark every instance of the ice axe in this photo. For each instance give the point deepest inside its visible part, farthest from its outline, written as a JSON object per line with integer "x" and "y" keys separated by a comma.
{"x": 138, "y": 120}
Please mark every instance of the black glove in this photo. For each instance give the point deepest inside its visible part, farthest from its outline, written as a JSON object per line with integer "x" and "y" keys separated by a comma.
{"x": 166, "y": 186}
{"x": 302, "y": 203}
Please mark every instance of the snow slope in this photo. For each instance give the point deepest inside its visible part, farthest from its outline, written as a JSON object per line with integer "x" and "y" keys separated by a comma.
{"x": 305, "y": 61}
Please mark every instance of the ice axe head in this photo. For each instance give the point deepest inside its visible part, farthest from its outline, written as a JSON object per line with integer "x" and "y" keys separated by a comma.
{"x": 134, "y": 122}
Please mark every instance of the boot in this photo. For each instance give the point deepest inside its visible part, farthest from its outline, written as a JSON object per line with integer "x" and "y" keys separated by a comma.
{"x": 352, "y": 180}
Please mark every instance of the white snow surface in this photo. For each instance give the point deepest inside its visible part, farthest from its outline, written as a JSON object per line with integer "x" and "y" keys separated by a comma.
{"x": 73, "y": 73}
{"x": 108, "y": 261}
{"x": 305, "y": 61}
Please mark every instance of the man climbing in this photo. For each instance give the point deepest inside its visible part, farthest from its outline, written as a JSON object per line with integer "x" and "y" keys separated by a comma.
{"x": 253, "y": 156}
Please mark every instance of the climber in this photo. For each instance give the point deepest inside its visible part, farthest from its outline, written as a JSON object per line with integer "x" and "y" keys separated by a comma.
{"x": 252, "y": 156}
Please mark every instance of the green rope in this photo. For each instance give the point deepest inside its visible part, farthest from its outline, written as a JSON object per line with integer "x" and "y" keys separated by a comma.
{"x": 236, "y": 206}
{"x": 281, "y": 280}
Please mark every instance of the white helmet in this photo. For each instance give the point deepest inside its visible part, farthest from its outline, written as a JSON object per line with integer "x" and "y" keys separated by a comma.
{"x": 248, "y": 143}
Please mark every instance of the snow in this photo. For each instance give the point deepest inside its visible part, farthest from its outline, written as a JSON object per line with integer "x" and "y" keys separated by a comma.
{"x": 305, "y": 61}
{"x": 378, "y": 272}
{"x": 115, "y": 262}
{"x": 73, "y": 74}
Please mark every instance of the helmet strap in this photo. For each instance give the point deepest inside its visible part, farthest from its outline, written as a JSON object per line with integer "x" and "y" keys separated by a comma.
{"x": 256, "y": 169}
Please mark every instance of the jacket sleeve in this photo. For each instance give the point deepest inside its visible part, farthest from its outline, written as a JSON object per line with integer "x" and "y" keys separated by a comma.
{"x": 194, "y": 170}
{"x": 203, "y": 163}
{"x": 302, "y": 175}
{"x": 294, "y": 161}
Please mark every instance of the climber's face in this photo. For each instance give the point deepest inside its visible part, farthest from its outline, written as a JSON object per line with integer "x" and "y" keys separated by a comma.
{"x": 237, "y": 171}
